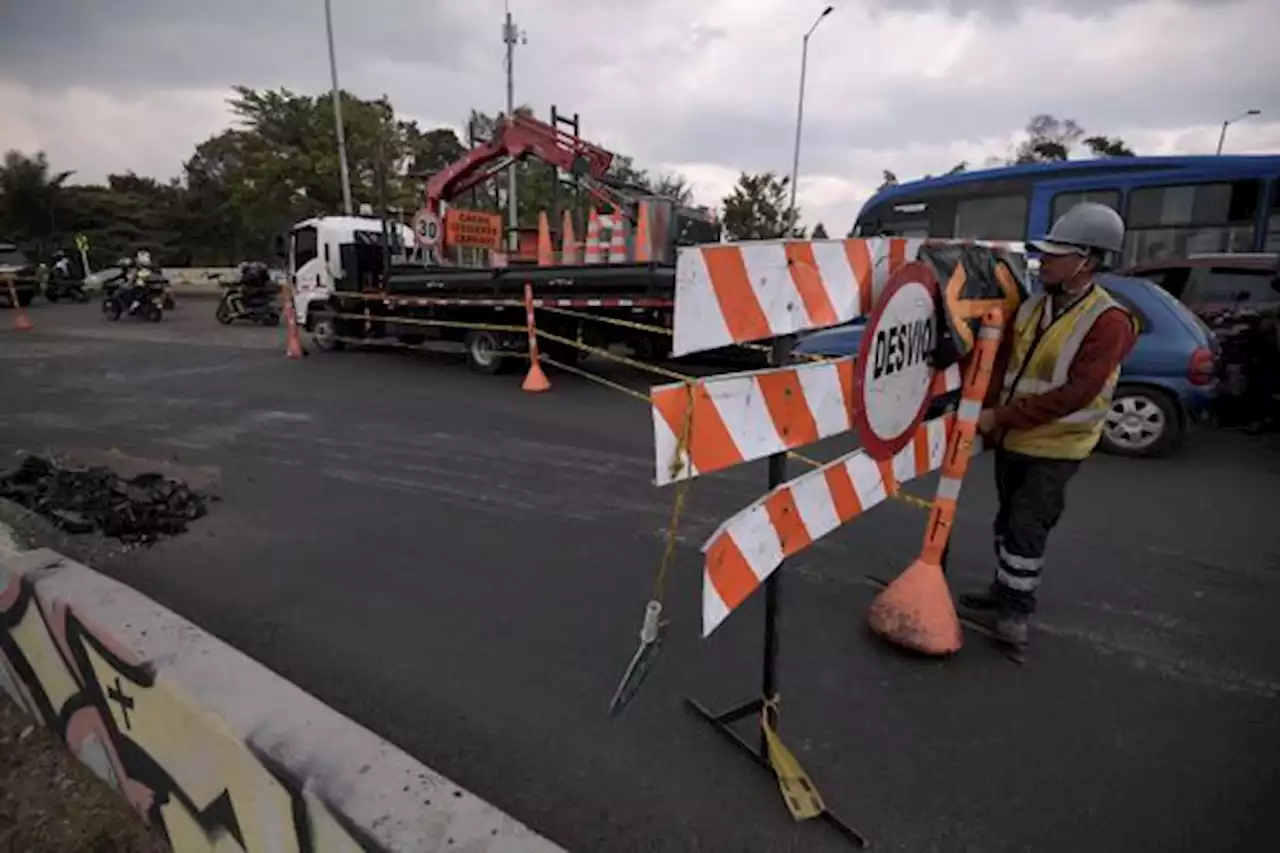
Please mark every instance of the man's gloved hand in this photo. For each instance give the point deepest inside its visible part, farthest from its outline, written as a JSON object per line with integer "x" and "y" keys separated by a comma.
{"x": 987, "y": 421}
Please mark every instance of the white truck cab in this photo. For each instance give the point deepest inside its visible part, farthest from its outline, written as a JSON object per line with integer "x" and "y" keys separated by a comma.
{"x": 315, "y": 253}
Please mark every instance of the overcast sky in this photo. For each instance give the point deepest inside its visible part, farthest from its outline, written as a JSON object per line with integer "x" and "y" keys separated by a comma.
{"x": 703, "y": 87}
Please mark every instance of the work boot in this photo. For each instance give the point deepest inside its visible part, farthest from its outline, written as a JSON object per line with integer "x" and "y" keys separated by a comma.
{"x": 980, "y": 602}
{"x": 1012, "y": 629}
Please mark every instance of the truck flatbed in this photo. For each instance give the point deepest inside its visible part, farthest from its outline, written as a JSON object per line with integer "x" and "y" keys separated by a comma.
{"x": 602, "y": 281}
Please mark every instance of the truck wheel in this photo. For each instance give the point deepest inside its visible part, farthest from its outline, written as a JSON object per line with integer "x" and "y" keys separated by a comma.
{"x": 1142, "y": 422}
{"x": 51, "y": 295}
{"x": 324, "y": 332}
{"x": 24, "y": 299}
{"x": 484, "y": 352}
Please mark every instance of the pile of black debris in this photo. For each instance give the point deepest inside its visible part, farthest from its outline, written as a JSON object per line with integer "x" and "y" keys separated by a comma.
{"x": 136, "y": 511}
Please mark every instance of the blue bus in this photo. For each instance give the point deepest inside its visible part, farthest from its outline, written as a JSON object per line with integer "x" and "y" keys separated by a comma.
{"x": 1173, "y": 206}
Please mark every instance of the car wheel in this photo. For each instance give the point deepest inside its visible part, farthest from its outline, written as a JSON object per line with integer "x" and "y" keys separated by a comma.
{"x": 1142, "y": 422}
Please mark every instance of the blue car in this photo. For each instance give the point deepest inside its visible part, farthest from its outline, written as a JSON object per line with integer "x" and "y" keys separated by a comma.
{"x": 1167, "y": 383}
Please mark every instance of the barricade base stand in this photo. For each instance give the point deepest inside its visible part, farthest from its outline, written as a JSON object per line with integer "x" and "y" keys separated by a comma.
{"x": 723, "y": 722}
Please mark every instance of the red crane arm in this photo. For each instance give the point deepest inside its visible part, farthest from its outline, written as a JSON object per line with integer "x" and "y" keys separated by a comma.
{"x": 515, "y": 139}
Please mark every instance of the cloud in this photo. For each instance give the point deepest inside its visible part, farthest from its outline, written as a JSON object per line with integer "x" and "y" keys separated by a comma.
{"x": 708, "y": 89}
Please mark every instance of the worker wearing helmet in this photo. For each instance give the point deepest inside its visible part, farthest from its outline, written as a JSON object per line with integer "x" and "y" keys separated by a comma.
{"x": 1061, "y": 361}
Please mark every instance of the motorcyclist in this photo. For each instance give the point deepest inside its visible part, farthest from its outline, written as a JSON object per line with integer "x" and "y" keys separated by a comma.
{"x": 61, "y": 264}
{"x": 255, "y": 285}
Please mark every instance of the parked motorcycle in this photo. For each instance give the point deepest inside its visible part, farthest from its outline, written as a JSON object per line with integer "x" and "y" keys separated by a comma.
{"x": 141, "y": 297}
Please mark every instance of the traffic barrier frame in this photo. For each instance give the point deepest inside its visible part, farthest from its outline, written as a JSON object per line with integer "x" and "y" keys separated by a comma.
{"x": 831, "y": 292}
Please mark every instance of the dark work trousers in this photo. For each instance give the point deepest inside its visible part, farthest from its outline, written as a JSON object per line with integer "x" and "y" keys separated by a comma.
{"x": 1032, "y": 494}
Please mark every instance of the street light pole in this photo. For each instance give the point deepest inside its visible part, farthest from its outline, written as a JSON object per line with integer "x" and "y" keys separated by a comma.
{"x": 1222, "y": 137}
{"x": 795, "y": 155}
{"x": 337, "y": 113}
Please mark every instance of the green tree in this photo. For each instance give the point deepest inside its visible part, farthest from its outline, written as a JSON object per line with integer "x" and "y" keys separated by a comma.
{"x": 1106, "y": 146}
{"x": 32, "y": 197}
{"x": 819, "y": 232}
{"x": 756, "y": 209}
{"x": 1048, "y": 139}
{"x": 277, "y": 165}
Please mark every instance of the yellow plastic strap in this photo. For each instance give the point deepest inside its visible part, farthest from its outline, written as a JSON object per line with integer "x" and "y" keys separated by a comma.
{"x": 798, "y": 791}
{"x": 677, "y": 503}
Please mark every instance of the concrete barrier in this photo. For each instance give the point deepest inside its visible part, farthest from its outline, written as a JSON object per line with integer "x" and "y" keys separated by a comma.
{"x": 207, "y": 744}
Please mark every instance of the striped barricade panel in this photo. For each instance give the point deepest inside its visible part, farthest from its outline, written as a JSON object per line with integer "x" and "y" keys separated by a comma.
{"x": 740, "y": 292}
{"x": 736, "y": 293}
{"x": 750, "y": 545}
{"x": 740, "y": 417}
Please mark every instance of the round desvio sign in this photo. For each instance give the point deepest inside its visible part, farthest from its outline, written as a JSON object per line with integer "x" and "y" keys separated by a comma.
{"x": 894, "y": 371}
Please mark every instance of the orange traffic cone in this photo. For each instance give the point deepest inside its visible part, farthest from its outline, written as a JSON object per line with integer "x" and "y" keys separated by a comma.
{"x": 644, "y": 252}
{"x": 535, "y": 381}
{"x": 546, "y": 256}
{"x": 568, "y": 245}
{"x": 292, "y": 343}
{"x": 21, "y": 322}
{"x": 916, "y": 610}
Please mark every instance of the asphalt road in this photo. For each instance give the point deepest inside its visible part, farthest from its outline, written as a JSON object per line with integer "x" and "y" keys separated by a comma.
{"x": 463, "y": 568}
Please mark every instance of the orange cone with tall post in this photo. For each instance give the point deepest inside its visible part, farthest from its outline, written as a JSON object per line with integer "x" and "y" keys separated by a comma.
{"x": 21, "y": 322}
{"x": 916, "y": 610}
{"x": 292, "y": 343}
{"x": 535, "y": 381}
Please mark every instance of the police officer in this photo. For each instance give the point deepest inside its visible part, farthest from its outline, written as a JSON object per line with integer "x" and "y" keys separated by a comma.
{"x": 1060, "y": 364}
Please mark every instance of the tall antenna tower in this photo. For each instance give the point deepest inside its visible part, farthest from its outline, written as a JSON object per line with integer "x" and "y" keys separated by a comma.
{"x": 511, "y": 34}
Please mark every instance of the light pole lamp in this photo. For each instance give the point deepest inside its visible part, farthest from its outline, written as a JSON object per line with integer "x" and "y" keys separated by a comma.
{"x": 795, "y": 154}
{"x": 1222, "y": 137}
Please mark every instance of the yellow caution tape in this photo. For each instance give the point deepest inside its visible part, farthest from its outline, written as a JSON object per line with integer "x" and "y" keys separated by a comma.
{"x": 608, "y": 383}
{"x": 416, "y": 321}
{"x": 612, "y": 356}
{"x": 798, "y": 791}
{"x": 615, "y": 321}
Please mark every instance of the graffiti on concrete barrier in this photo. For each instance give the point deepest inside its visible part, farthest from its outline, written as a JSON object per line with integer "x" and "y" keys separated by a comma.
{"x": 179, "y": 766}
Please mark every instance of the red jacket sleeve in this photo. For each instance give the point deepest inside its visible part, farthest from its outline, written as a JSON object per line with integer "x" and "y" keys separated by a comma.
{"x": 1101, "y": 351}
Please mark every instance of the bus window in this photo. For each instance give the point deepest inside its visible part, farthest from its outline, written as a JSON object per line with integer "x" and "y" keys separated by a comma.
{"x": 1272, "y": 242}
{"x": 1002, "y": 217}
{"x": 1190, "y": 219}
{"x": 1062, "y": 202}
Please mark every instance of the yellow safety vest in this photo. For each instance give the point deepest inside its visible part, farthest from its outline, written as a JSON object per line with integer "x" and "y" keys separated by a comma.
{"x": 1043, "y": 348}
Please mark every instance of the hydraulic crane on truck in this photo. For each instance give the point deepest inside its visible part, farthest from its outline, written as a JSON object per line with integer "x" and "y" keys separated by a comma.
{"x": 517, "y": 138}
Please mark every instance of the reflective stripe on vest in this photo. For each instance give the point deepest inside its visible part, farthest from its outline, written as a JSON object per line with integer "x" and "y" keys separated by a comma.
{"x": 1043, "y": 350}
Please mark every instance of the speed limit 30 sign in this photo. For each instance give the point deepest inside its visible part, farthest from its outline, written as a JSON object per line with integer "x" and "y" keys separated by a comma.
{"x": 426, "y": 227}
{"x": 894, "y": 371}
